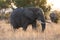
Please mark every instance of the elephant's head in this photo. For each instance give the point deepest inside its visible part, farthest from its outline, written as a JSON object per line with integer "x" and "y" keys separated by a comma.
{"x": 39, "y": 14}
{"x": 41, "y": 18}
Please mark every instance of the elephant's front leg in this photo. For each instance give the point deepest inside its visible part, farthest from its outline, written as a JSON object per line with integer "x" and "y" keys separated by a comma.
{"x": 34, "y": 25}
{"x": 25, "y": 25}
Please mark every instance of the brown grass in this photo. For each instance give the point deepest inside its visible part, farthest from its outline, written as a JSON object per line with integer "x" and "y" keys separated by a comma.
{"x": 52, "y": 32}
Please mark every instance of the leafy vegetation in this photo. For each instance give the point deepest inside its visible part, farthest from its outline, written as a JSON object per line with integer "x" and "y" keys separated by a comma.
{"x": 26, "y": 3}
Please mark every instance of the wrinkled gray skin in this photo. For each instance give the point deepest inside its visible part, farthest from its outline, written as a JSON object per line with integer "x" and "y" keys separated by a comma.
{"x": 53, "y": 17}
{"x": 22, "y": 17}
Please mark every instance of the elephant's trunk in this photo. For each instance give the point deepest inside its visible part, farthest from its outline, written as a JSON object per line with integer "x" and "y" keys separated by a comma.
{"x": 41, "y": 18}
{"x": 43, "y": 26}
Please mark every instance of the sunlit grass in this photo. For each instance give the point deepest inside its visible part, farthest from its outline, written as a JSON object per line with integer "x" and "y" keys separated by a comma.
{"x": 52, "y": 32}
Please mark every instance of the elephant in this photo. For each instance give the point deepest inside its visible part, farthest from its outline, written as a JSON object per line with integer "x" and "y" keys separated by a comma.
{"x": 22, "y": 17}
{"x": 53, "y": 17}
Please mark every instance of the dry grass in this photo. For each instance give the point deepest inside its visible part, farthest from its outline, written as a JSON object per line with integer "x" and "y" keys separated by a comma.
{"x": 52, "y": 32}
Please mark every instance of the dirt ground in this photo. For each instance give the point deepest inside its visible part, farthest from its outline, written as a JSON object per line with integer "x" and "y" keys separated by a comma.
{"x": 52, "y": 32}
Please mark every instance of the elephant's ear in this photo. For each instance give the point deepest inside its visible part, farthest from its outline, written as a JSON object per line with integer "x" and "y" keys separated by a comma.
{"x": 41, "y": 16}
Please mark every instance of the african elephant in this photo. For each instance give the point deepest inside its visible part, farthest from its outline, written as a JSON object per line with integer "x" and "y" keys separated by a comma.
{"x": 22, "y": 17}
{"x": 53, "y": 17}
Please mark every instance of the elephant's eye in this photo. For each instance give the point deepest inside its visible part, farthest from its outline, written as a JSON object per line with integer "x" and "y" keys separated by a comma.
{"x": 38, "y": 13}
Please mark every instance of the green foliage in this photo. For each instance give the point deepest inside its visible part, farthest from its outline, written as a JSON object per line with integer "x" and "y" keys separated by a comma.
{"x": 33, "y": 3}
{"x": 25, "y": 3}
{"x": 3, "y": 4}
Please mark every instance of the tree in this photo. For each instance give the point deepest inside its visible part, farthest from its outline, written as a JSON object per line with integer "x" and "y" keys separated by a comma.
{"x": 32, "y": 3}
{"x": 26, "y": 3}
{"x": 3, "y": 4}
